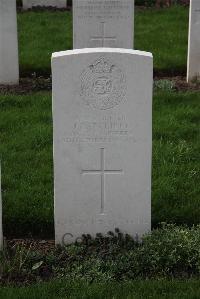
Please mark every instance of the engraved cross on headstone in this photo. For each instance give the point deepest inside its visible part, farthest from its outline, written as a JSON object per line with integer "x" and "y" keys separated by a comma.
{"x": 103, "y": 38}
{"x": 102, "y": 171}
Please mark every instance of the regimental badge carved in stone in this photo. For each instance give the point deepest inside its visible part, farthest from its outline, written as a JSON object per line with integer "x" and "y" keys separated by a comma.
{"x": 103, "y": 84}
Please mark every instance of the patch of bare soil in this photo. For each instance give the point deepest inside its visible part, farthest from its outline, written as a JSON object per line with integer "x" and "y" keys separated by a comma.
{"x": 28, "y": 85}
{"x": 43, "y": 8}
{"x": 24, "y": 261}
{"x": 180, "y": 83}
{"x": 42, "y": 246}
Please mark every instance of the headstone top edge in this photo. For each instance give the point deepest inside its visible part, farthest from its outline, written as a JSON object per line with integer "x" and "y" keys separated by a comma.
{"x": 100, "y": 50}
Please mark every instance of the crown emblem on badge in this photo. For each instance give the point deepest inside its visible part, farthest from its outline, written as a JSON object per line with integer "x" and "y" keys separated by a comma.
{"x": 101, "y": 66}
{"x": 102, "y": 84}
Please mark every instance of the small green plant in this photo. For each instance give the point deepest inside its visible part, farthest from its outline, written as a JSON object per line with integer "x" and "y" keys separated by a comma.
{"x": 196, "y": 80}
{"x": 167, "y": 252}
{"x": 13, "y": 262}
{"x": 164, "y": 84}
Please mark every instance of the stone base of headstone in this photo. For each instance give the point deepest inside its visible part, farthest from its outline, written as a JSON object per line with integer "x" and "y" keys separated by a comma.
{"x": 27, "y": 4}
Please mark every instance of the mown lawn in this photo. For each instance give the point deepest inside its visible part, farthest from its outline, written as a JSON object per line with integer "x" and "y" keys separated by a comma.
{"x": 163, "y": 32}
{"x": 26, "y": 154}
{"x": 161, "y": 289}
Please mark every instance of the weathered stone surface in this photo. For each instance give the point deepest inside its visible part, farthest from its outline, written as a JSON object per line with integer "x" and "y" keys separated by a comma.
{"x": 193, "y": 68}
{"x": 9, "y": 65}
{"x": 1, "y": 228}
{"x": 54, "y": 3}
{"x": 102, "y": 114}
{"x": 103, "y": 23}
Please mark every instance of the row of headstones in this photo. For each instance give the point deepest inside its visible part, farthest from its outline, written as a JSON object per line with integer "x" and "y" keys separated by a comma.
{"x": 102, "y": 119}
{"x": 90, "y": 30}
{"x": 102, "y": 124}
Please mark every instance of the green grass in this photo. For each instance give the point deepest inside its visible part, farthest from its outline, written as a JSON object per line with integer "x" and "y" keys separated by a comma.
{"x": 161, "y": 289}
{"x": 26, "y": 154}
{"x": 163, "y": 32}
{"x": 176, "y": 158}
{"x": 41, "y": 34}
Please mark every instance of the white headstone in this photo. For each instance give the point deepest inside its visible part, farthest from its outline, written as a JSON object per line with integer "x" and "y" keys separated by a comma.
{"x": 193, "y": 68}
{"x": 54, "y": 3}
{"x": 103, "y": 23}
{"x": 9, "y": 65}
{"x": 102, "y": 114}
{"x": 1, "y": 228}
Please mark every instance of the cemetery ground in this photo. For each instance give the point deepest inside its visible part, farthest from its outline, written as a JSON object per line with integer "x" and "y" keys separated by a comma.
{"x": 162, "y": 32}
{"x": 133, "y": 290}
{"x": 94, "y": 268}
{"x": 26, "y": 149}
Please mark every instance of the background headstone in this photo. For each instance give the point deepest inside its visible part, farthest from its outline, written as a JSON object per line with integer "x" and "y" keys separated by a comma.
{"x": 102, "y": 114}
{"x": 9, "y": 65}
{"x": 103, "y": 23}
{"x": 193, "y": 68}
{"x": 1, "y": 228}
{"x": 54, "y": 3}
